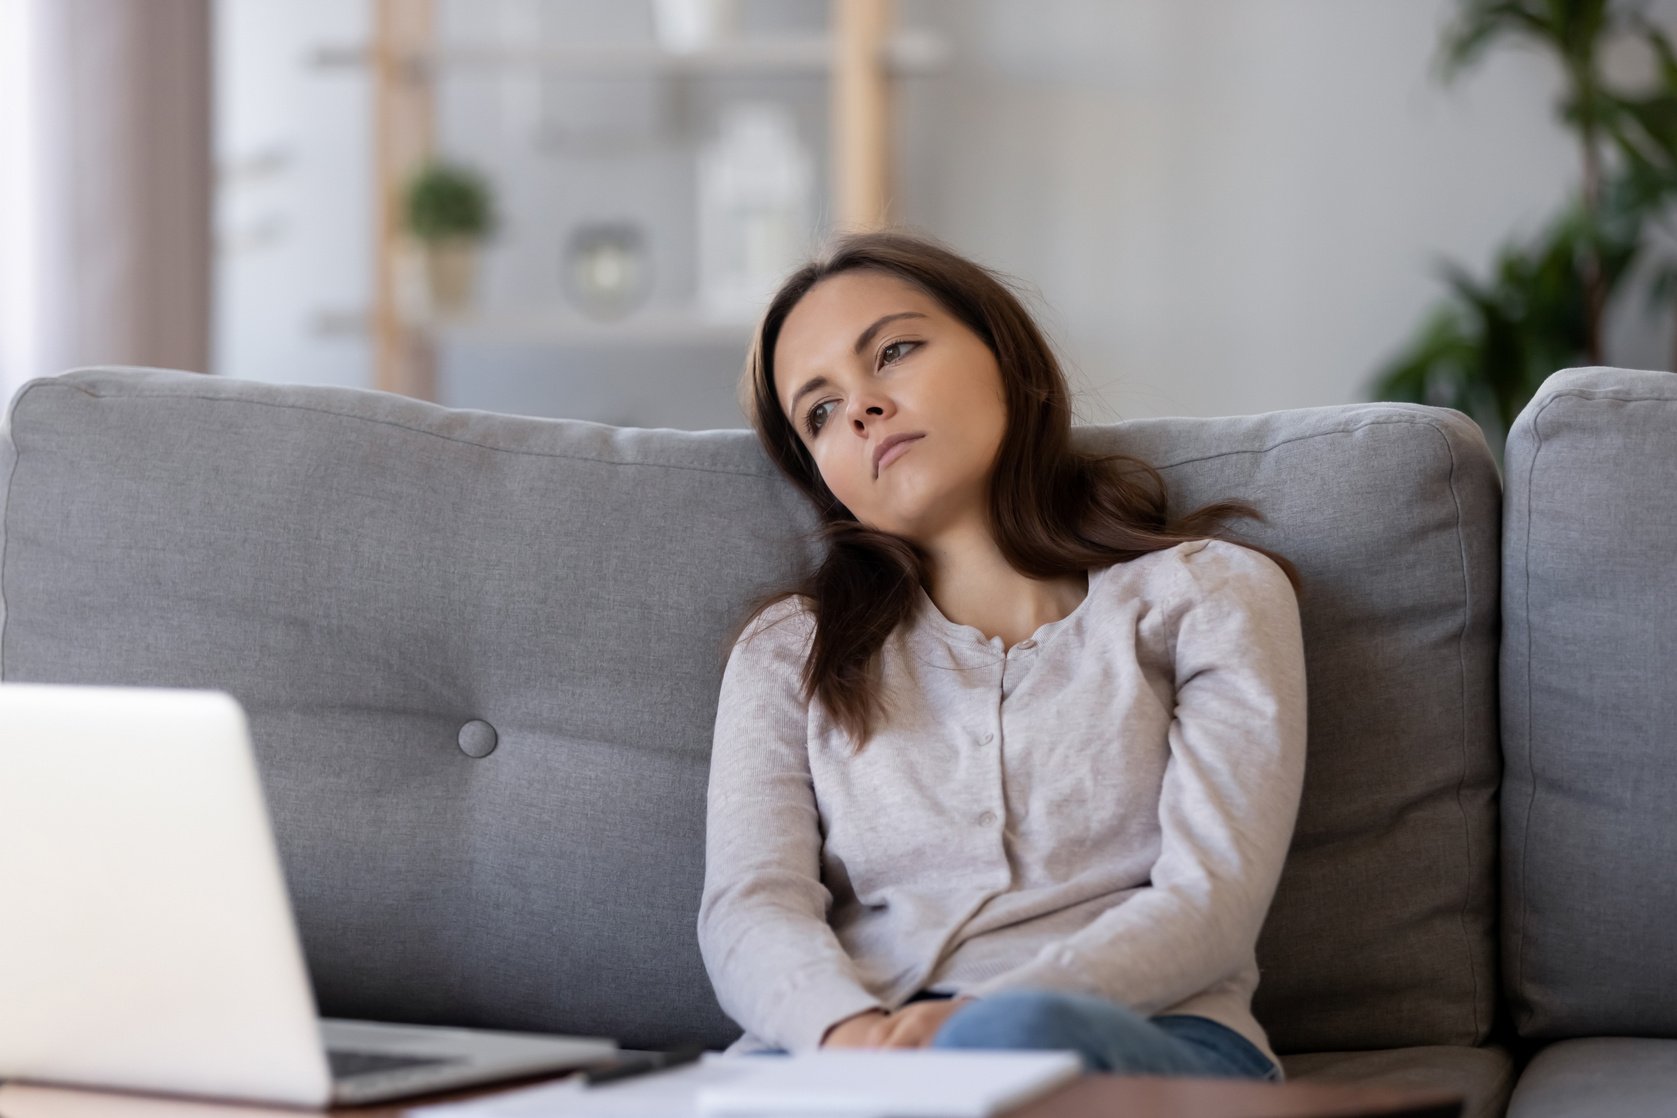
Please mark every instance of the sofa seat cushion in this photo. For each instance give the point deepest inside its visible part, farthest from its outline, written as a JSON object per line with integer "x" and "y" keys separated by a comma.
{"x": 1483, "y": 1075}
{"x": 1627, "y": 1077}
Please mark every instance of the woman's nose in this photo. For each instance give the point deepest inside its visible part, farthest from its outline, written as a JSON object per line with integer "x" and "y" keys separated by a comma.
{"x": 868, "y": 405}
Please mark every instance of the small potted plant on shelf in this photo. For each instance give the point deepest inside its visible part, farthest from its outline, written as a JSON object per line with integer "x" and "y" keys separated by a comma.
{"x": 448, "y": 212}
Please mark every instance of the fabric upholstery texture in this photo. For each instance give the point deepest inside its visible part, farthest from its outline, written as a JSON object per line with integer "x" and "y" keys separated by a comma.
{"x": 388, "y": 586}
{"x": 1588, "y": 659}
{"x": 1381, "y": 932}
{"x": 1625, "y": 1077}
{"x": 1484, "y": 1076}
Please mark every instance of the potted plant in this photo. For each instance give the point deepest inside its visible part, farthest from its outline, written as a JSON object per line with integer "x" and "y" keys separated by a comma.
{"x": 448, "y": 212}
{"x": 1492, "y": 342}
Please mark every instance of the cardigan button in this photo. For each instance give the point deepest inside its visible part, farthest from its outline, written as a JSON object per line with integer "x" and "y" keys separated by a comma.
{"x": 1027, "y": 644}
{"x": 986, "y": 819}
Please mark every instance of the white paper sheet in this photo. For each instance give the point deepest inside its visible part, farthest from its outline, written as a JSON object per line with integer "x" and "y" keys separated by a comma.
{"x": 663, "y": 1094}
{"x": 857, "y": 1083}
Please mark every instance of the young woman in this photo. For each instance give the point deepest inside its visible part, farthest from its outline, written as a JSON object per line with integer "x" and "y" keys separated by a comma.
{"x": 1017, "y": 765}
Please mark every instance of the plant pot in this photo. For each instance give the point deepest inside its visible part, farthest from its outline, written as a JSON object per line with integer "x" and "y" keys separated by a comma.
{"x": 450, "y": 273}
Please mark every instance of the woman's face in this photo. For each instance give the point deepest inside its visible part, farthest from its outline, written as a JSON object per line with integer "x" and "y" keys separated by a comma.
{"x": 864, "y": 356}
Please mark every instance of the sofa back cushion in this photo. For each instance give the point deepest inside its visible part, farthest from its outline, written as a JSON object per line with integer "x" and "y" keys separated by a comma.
{"x": 1589, "y": 706}
{"x": 480, "y": 654}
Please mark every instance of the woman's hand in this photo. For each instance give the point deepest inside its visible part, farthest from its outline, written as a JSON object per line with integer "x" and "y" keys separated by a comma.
{"x": 864, "y": 1030}
{"x": 914, "y": 1026}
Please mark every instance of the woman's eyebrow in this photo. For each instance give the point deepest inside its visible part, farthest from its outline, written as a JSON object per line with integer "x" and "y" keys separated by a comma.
{"x": 862, "y": 340}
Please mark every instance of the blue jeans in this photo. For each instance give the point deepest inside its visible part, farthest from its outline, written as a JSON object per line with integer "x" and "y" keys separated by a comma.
{"x": 1109, "y": 1036}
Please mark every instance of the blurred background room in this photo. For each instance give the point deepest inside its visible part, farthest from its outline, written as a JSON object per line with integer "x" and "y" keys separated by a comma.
{"x": 577, "y": 207}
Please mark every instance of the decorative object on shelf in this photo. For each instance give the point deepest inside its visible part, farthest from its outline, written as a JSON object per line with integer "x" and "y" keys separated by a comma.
{"x": 448, "y": 212}
{"x": 607, "y": 273}
{"x": 407, "y": 62}
{"x": 755, "y": 185}
{"x": 689, "y": 25}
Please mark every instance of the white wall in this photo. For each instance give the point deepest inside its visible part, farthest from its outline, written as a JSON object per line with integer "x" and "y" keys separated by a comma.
{"x": 297, "y": 240}
{"x": 1233, "y": 206}
{"x": 1227, "y": 206}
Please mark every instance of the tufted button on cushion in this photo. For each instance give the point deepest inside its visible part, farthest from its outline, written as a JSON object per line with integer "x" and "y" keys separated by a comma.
{"x": 477, "y": 739}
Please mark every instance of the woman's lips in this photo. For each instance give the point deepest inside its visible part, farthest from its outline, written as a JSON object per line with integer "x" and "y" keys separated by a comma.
{"x": 897, "y": 450}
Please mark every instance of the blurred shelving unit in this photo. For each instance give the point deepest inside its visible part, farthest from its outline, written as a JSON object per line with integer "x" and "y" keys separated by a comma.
{"x": 860, "y": 55}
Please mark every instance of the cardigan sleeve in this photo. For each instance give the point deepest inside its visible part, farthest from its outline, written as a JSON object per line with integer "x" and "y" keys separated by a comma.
{"x": 1227, "y": 806}
{"x": 776, "y": 965}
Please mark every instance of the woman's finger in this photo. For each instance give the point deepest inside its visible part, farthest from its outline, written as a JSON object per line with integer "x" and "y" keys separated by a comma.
{"x": 913, "y": 1027}
{"x": 911, "y": 1035}
{"x": 891, "y": 1027}
{"x": 879, "y": 1035}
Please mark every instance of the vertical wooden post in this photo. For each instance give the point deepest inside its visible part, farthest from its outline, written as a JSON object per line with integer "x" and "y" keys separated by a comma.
{"x": 861, "y": 115}
{"x": 403, "y": 136}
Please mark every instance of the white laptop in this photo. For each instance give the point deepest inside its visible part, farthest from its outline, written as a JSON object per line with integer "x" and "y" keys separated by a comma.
{"x": 146, "y": 937}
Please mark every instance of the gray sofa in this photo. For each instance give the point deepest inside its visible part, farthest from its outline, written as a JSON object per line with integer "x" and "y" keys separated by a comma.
{"x": 480, "y": 655}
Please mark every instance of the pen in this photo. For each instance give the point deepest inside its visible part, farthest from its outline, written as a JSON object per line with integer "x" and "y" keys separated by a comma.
{"x": 642, "y": 1063}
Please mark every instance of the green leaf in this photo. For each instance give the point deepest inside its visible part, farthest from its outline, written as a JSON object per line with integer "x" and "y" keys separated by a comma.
{"x": 1482, "y": 22}
{"x": 1486, "y": 348}
{"x": 447, "y": 200}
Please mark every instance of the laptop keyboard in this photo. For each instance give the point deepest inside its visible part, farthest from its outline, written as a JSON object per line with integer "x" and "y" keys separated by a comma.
{"x": 346, "y": 1064}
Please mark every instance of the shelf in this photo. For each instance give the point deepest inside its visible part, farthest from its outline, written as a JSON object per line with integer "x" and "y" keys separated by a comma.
{"x": 856, "y": 54}
{"x": 907, "y": 52}
{"x": 649, "y": 326}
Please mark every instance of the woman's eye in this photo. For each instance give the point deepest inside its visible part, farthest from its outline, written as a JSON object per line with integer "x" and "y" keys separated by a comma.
{"x": 894, "y": 345}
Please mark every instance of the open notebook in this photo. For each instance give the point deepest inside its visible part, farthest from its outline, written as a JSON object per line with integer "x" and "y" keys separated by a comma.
{"x": 830, "y": 1082}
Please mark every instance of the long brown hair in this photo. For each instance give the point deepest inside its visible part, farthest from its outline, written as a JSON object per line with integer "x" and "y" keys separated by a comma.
{"x": 1055, "y": 511}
